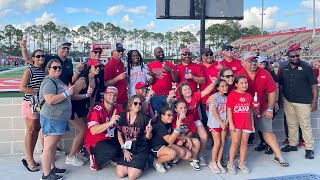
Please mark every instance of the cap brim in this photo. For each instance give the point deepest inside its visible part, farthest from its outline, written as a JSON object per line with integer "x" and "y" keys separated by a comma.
{"x": 96, "y": 49}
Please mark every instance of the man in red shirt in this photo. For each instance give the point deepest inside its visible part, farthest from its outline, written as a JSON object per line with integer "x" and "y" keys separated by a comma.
{"x": 208, "y": 65}
{"x": 100, "y": 139}
{"x": 189, "y": 71}
{"x": 229, "y": 61}
{"x": 261, "y": 82}
{"x": 115, "y": 74}
{"x": 165, "y": 75}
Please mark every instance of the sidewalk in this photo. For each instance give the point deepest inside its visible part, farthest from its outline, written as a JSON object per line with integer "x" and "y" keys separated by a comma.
{"x": 260, "y": 164}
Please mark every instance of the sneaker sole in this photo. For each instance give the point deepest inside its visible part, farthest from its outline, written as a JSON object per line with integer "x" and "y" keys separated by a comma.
{"x": 247, "y": 172}
{"x": 280, "y": 163}
{"x": 217, "y": 172}
{"x": 74, "y": 164}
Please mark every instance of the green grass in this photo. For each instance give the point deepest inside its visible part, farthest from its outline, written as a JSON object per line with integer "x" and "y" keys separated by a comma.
{"x": 11, "y": 94}
{"x": 4, "y": 68}
{"x": 13, "y": 74}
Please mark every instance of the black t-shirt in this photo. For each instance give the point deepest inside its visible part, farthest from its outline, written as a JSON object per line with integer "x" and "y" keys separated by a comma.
{"x": 160, "y": 129}
{"x": 67, "y": 68}
{"x": 134, "y": 132}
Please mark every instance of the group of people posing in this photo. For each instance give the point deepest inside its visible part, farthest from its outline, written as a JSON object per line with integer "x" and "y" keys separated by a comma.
{"x": 126, "y": 115}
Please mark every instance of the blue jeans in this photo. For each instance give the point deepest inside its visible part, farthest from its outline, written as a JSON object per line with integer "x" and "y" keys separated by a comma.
{"x": 158, "y": 102}
{"x": 53, "y": 127}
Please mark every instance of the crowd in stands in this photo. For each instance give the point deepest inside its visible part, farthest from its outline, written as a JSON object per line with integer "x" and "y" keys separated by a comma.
{"x": 126, "y": 116}
{"x": 6, "y": 60}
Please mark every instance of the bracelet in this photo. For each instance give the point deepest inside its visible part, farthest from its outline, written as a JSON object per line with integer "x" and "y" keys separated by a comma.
{"x": 77, "y": 72}
{"x": 270, "y": 109}
{"x": 176, "y": 130}
{"x": 85, "y": 95}
{"x": 122, "y": 147}
{"x": 66, "y": 94}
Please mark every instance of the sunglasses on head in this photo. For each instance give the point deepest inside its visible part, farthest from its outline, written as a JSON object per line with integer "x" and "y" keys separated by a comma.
{"x": 295, "y": 56}
{"x": 65, "y": 48}
{"x": 40, "y": 56}
{"x": 186, "y": 54}
{"x": 120, "y": 51}
{"x": 137, "y": 103}
{"x": 228, "y": 76}
{"x": 56, "y": 67}
{"x": 208, "y": 54}
{"x": 96, "y": 52}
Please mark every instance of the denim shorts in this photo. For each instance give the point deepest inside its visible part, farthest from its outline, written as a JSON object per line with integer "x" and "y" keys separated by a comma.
{"x": 53, "y": 127}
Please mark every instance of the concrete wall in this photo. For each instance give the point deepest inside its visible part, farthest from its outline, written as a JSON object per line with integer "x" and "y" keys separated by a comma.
{"x": 12, "y": 128}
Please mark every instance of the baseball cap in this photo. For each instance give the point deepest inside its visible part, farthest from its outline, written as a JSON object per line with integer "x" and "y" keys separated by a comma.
{"x": 64, "y": 42}
{"x": 249, "y": 55}
{"x": 207, "y": 50}
{"x": 93, "y": 62}
{"x": 96, "y": 47}
{"x": 294, "y": 47}
{"x": 185, "y": 50}
{"x": 119, "y": 46}
{"x": 111, "y": 89}
{"x": 227, "y": 47}
{"x": 140, "y": 85}
{"x": 261, "y": 59}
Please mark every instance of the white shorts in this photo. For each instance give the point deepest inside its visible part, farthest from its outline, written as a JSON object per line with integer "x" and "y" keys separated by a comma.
{"x": 198, "y": 123}
{"x": 244, "y": 130}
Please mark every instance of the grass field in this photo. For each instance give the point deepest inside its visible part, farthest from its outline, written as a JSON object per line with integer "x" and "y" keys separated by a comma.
{"x": 13, "y": 74}
{"x": 11, "y": 94}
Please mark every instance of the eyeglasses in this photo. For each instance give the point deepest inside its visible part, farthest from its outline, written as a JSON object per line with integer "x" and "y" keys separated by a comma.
{"x": 295, "y": 56}
{"x": 228, "y": 76}
{"x": 65, "y": 48}
{"x": 229, "y": 49}
{"x": 255, "y": 49}
{"x": 169, "y": 115}
{"x": 252, "y": 61}
{"x": 96, "y": 52}
{"x": 99, "y": 66}
{"x": 208, "y": 54}
{"x": 186, "y": 54}
{"x": 120, "y": 51}
{"x": 143, "y": 88}
{"x": 40, "y": 56}
{"x": 56, "y": 67}
{"x": 136, "y": 103}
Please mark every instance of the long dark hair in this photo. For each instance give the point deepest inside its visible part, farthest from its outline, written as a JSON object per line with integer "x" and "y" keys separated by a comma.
{"x": 180, "y": 88}
{"x": 222, "y": 71}
{"x": 129, "y": 62}
{"x": 162, "y": 112}
{"x": 140, "y": 116}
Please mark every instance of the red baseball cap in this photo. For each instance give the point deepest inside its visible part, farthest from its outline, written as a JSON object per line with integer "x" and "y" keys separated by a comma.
{"x": 96, "y": 47}
{"x": 93, "y": 62}
{"x": 140, "y": 85}
{"x": 294, "y": 47}
{"x": 111, "y": 89}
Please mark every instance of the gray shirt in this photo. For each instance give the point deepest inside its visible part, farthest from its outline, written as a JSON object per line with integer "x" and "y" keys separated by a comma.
{"x": 220, "y": 104}
{"x": 60, "y": 111}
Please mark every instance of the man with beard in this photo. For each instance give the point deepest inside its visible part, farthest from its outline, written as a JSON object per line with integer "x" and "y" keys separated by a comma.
{"x": 100, "y": 139}
{"x": 137, "y": 71}
{"x": 229, "y": 61}
{"x": 142, "y": 90}
{"x": 299, "y": 86}
{"x": 260, "y": 81}
{"x": 165, "y": 74}
{"x": 115, "y": 74}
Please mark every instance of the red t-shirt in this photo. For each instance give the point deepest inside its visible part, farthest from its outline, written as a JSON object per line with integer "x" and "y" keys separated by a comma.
{"x": 99, "y": 115}
{"x": 240, "y": 104}
{"x": 193, "y": 105}
{"x": 208, "y": 71}
{"x": 263, "y": 83}
{"x": 163, "y": 80}
{"x": 112, "y": 69}
{"x": 194, "y": 69}
{"x": 316, "y": 71}
{"x": 187, "y": 125}
{"x": 235, "y": 65}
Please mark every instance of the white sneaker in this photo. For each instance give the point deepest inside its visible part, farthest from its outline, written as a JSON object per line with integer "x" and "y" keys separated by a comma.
{"x": 74, "y": 160}
{"x": 202, "y": 161}
{"x": 159, "y": 167}
{"x": 82, "y": 157}
{"x": 166, "y": 165}
{"x": 195, "y": 164}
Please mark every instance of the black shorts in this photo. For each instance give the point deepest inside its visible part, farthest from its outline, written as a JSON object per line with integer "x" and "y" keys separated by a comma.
{"x": 105, "y": 151}
{"x": 139, "y": 160}
{"x": 154, "y": 150}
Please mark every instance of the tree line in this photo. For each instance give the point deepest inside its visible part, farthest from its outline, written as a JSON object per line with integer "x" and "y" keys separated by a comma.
{"x": 46, "y": 37}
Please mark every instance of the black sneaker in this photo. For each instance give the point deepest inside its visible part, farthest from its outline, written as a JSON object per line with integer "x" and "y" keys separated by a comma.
{"x": 251, "y": 141}
{"x": 261, "y": 147}
{"x": 51, "y": 176}
{"x": 309, "y": 154}
{"x": 289, "y": 148}
{"x": 268, "y": 150}
{"x": 281, "y": 162}
{"x": 59, "y": 171}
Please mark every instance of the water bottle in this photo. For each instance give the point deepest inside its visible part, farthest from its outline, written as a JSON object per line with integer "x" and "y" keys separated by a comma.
{"x": 256, "y": 104}
{"x": 185, "y": 73}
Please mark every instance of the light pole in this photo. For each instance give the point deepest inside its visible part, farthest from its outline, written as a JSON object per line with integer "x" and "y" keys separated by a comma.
{"x": 262, "y": 3}
{"x": 314, "y": 19}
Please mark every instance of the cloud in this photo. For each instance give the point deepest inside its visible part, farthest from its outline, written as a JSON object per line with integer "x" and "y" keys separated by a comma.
{"x": 126, "y": 20}
{"x": 71, "y": 10}
{"x": 309, "y": 4}
{"x": 45, "y": 18}
{"x": 296, "y": 12}
{"x": 193, "y": 28}
{"x": 23, "y": 25}
{"x": 36, "y": 4}
{"x": 150, "y": 26}
{"x": 4, "y": 12}
{"x": 114, "y": 10}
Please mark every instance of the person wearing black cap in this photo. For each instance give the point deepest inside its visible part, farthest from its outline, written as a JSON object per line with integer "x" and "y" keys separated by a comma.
{"x": 229, "y": 61}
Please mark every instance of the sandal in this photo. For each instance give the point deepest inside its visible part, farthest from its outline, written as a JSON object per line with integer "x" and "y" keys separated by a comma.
{"x": 30, "y": 168}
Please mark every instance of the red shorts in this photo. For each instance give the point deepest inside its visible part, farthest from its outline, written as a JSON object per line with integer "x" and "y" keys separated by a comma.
{"x": 217, "y": 129}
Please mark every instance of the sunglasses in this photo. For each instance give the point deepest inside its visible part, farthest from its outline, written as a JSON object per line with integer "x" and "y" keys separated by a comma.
{"x": 143, "y": 88}
{"x": 120, "y": 51}
{"x": 40, "y": 56}
{"x": 228, "y": 76}
{"x": 229, "y": 49}
{"x": 99, "y": 66}
{"x": 136, "y": 103}
{"x": 208, "y": 54}
{"x": 56, "y": 67}
{"x": 96, "y": 52}
{"x": 186, "y": 54}
{"x": 252, "y": 61}
{"x": 169, "y": 115}
{"x": 65, "y": 48}
{"x": 295, "y": 56}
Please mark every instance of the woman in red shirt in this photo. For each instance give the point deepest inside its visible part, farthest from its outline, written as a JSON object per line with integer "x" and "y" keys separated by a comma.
{"x": 240, "y": 118}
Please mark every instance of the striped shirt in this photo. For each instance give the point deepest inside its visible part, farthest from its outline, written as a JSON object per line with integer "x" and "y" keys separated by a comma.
{"x": 36, "y": 77}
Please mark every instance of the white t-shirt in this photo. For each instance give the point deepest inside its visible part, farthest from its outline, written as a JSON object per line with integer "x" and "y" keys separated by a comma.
{"x": 136, "y": 75}
{"x": 220, "y": 104}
